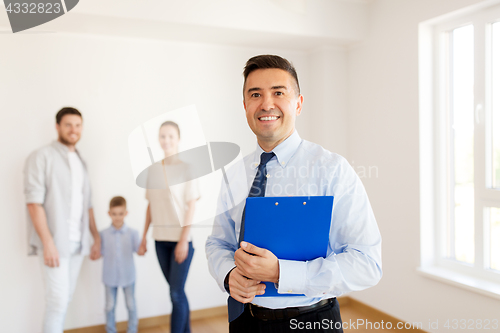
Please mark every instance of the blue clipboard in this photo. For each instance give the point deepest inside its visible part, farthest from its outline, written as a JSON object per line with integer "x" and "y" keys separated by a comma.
{"x": 293, "y": 228}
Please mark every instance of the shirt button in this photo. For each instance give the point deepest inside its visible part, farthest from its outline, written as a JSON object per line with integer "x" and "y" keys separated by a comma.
{"x": 290, "y": 291}
{"x": 268, "y": 175}
{"x": 282, "y": 163}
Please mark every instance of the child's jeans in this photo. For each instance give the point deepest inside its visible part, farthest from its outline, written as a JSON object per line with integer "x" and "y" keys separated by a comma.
{"x": 110, "y": 308}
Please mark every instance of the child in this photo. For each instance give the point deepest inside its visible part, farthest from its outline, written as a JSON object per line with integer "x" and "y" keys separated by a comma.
{"x": 118, "y": 243}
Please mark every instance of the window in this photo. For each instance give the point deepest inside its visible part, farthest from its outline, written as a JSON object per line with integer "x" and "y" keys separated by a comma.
{"x": 460, "y": 149}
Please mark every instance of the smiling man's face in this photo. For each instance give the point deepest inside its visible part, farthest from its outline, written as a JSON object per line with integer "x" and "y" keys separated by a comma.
{"x": 271, "y": 103}
{"x": 69, "y": 129}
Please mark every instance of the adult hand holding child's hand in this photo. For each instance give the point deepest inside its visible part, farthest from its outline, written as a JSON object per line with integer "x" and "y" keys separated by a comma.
{"x": 142, "y": 248}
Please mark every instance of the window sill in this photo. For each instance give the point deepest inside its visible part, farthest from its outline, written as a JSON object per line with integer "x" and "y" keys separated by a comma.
{"x": 480, "y": 286}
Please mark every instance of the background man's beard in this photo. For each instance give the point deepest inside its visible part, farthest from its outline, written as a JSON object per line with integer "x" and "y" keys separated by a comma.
{"x": 66, "y": 142}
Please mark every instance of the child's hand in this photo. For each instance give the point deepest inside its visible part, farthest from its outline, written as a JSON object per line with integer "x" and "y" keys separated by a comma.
{"x": 142, "y": 248}
{"x": 95, "y": 251}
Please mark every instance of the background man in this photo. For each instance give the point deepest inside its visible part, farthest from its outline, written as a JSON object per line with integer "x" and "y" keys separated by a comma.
{"x": 57, "y": 189}
{"x": 272, "y": 101}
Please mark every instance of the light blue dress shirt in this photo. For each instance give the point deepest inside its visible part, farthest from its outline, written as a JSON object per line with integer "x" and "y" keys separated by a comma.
{"x": 117, "y": 248}
{"x": 303, "y": 168}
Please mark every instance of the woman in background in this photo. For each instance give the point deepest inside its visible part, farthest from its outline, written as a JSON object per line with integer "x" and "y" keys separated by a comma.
{"x": 171, "y": 212}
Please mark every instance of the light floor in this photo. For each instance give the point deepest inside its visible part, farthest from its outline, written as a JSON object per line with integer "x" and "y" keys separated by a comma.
{"x": 219, "y": 324}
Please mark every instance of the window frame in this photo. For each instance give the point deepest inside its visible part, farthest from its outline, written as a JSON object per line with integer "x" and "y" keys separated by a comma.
{"x": 434, "y": 150}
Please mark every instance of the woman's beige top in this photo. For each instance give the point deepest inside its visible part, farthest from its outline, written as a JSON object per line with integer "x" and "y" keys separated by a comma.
{"x": 168, "y": 204}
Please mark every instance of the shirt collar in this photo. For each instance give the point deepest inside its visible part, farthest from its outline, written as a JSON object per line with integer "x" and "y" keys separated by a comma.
{"x": 62, "y": 148}
{"x": 121, "y": 230}
{"x": 284, "y": 151}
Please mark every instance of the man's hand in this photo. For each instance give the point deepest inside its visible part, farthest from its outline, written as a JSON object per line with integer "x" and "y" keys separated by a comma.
{"x": 243, "y": 289}
{"x": 143, "y": 247}
{"x": 263, "y": 265}
{"x": 95, "y": 251}
{"x": 181, "y": 252}
{"x": 50, "y": 254}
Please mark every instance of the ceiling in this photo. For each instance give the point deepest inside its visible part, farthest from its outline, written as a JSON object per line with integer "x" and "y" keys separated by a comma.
{"x": 296, "y": 24}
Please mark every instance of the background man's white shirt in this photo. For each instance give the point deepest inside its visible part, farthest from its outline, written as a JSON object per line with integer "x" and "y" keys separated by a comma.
{"x": 77, "y": 183}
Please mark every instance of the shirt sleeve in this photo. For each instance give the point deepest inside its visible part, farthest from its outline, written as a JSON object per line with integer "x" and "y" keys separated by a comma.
{"x": 135, "y": 241}
{"x": 34, "y": 178}
{"x": 221, "y": 244}
{"x": 90, "y": 193}
{"x": 354, "y": 255}
{"x": 103, "y": 248}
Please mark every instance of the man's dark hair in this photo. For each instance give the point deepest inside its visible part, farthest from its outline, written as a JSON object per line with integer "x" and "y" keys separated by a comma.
{"x": 66, "y": 110}
{"x": 270, "y": 61}
{"x": 171, "y": 123}
{"x": 118, "y": 202}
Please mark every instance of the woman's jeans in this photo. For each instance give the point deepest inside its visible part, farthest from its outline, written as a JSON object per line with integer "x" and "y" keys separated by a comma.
{"x": 176, "y": 275}
{"x": 111, "y": 304}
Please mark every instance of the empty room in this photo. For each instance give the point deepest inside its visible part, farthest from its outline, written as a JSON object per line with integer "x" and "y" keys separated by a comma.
{"x": 256, "y": 166}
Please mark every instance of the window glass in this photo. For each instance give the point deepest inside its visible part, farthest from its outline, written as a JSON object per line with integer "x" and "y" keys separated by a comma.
{"x": 462, "y": 136}
{"x": 494, "y": 238}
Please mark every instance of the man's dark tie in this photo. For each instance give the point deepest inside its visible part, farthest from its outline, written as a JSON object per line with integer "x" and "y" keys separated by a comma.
{"x": 258, "y": 189}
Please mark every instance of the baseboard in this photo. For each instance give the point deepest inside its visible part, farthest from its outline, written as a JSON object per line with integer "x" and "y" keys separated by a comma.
{"x": 153, "y": 321}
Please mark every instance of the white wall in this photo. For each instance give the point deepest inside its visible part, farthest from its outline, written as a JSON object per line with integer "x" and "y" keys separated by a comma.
{"x": 328, "y": 99}
{"x": 117, "y": 84}
{"x": 383, "y": 131}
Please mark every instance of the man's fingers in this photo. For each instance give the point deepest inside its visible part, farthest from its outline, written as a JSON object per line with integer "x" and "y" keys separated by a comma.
{"x": 238, "y": 261}
{"x": 242, "y": 299}
{"x": 242, "y": 259}
{"x": 52, "y": 262}
{"x": 246, "y": 285}
{"x": 249, "y": 257}
{"x": 243, "y": 289}
{"x": 239, "y": 275}
{"x": 250, "y": 248}
{"x": 246, "y": 295}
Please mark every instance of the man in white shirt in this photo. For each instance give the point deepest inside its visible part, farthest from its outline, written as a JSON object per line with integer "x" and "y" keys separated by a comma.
{"x": 60, "y": 219}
